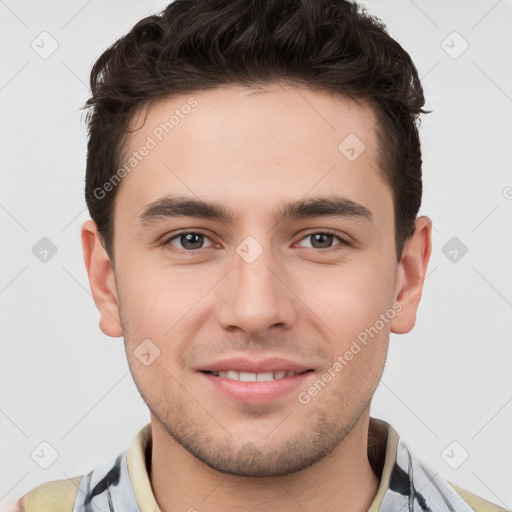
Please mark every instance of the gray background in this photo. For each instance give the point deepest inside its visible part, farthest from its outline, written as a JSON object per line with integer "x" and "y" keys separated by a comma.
{"x": 447, "y": 385}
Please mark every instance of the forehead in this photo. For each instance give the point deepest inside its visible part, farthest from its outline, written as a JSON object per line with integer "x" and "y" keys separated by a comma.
{"x": 251, "y": 147}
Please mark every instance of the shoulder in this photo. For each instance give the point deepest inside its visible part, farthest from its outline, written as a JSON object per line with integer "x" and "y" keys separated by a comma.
{"x": 475, "y": 502}
{"x": 406, "y": 481}
{"x": 54, "y": 496}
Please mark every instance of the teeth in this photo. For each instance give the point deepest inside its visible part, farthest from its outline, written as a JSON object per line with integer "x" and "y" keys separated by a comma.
{"x": 264, "y": 377}
{"x": 254, "y": 377}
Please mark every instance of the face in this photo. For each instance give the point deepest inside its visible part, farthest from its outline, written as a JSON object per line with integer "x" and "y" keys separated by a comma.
{"x": 254, "y": 248}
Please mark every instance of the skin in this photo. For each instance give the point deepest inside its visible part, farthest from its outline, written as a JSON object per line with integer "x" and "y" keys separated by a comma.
{"x": 252, "y": 150}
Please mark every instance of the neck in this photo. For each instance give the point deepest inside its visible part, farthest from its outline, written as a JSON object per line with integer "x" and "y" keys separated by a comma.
{"x": 341, "y": 482}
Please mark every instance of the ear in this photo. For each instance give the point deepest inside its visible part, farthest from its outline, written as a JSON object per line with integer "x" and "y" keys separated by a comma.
{"x": 101, "y": 280}
{"x": 411, "y": 274}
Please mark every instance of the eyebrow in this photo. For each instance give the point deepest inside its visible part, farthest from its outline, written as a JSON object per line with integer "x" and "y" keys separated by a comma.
{"x": 179, "y": 206}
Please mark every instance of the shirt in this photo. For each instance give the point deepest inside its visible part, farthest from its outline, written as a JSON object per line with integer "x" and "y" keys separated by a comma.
{"x": 123, "y": 484}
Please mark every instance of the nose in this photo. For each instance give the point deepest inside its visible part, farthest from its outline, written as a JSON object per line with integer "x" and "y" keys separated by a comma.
{"x": 256, "y": 295}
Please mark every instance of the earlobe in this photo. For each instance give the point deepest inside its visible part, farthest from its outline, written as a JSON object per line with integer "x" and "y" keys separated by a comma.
{"x": 411, "y": 273}
{"x": 101, "y": 280}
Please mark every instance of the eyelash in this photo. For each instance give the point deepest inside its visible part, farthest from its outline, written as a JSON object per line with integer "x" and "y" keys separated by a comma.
{"x": 328, "y": 232}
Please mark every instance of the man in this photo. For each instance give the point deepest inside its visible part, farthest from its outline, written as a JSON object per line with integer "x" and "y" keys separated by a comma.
{"x": 254, "y": 180}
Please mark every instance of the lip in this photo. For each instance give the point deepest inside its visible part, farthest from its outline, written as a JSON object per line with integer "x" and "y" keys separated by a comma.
{"x": 241, "y": 364}
{"x": 255, "y": 392}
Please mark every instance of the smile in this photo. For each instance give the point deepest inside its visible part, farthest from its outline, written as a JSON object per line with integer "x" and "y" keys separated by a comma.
{"x": 254, "y": 377}
{"x": 255, "y": 387}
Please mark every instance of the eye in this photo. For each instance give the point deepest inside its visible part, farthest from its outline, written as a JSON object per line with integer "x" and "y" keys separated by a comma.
{"x": 323, "y": 240}
{"x": 188, "y": 240}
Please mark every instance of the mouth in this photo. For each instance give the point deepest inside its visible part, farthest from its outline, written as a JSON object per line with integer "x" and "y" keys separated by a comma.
{"x": 255, "y": 377}
{"x": 255, "y": 382}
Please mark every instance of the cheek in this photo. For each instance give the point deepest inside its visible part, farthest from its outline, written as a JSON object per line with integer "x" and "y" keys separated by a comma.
{"x": 348, "y": 299}
{"x": 157, "y": 301}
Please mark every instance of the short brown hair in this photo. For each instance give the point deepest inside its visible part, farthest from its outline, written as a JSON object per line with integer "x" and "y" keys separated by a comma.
{"x": 332, "y": 46}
